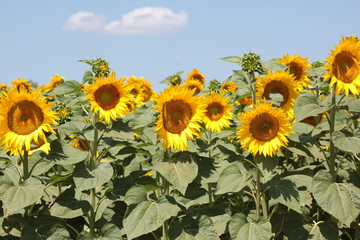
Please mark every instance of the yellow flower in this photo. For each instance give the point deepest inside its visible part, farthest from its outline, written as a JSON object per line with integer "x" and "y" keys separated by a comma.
{"x": 24, "y": 119}
{"x": 230, "y": 86}
{"x": 245, "y": 101}
{"x": 3, "y": 87}
{"x": 263, "y": 129}
{"x": 55, "y": 81}
{"x": 297, "y": 66}
{"x": 140, "y": 89}
{"x": 21, "y": 82}
{"x": 108, "y": 97}
{"x": 80, "y": 144}
{"x": 195, "y": 74}
{"x": 218, "y": 112}
{"x": 344, "y": 66}
{"x": 179, "y": 115}
{"x": 278, "y": 82}
{"x": 194, "y": 84}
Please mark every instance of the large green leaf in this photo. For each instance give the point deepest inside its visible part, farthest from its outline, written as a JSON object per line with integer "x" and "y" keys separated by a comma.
{"x": 135, "y": 195}
{"x": 86, "y": 179}
{"x": 179, "y": 171}
{"x": 255, "y": 230}
{"x": 110, "y": 232}
{"x": 23, "y": 195}
{"x": 148, "y": 216}
{"x": 318, "y": 231}
{"x": 309, "y": 110}
{"x": 334, "y": 198}
{"x": 66, "y": 206}
{"x": 284, "y": 191}
{"x": 232, "y": 59}
{"x": 236, "y": 222}
{"x": 274, "y": 65}
{"x": 234, "y": 178}
{"x": 346, "y": 143}
{"x": 64, "y": 155}
{"x": 57, "y": 232}
{"x": 353, "y": 104}
{"x": 67, "y": 87}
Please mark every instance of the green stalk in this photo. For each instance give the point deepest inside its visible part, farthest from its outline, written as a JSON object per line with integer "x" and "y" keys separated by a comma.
{"x": 93, "y": 165}
{"x": 331, "y": 132}
{"x": 25, "y": 162}
{"x": 209, "y": 184}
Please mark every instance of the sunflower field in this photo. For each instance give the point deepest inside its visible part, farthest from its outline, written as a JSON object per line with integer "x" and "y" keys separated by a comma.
{"x": 271, "y": 152}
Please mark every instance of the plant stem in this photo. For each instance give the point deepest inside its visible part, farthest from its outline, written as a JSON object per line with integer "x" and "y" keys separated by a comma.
{"x": 92, "y": 212}
{"x": 209, "y": 184}
{"x": 331, "y": 131}
{"x": 257, "y": 196}
{"x": 25, "y": 162}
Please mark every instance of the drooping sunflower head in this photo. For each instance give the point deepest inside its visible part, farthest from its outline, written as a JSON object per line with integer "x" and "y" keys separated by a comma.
{"x": 298, "y": 67}
{"x": 108, "y": 97}
{"x": 195, "y": 74}
{"x": 24, "y": 119}
{"x": 230, "y": 87}
{"x": 179, "y": 115}
{"x": 55, "y": 81}
{"x": 218, "y": 113}
{"x": 282, "y": 83}
{"x": 245, "y": 101}
{"x": 22, "y": 83}
{"x": 140, "y": 89}
{"x": 195, "y": 85}
{"x": 263, "y": 129}
{"x": 344, "y": 66}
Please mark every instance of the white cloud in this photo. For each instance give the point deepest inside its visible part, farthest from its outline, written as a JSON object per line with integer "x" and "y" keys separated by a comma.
{"x": 86, "y": 21}
{"x": 146, "y": 20}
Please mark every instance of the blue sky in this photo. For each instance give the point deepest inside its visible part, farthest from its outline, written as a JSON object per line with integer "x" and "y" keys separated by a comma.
{"x": 40, "y": 38}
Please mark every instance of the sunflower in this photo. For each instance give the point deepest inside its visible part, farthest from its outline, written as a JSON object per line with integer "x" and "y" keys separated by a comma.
{"x": 218, "y": 112}
{"x": 195, "y": 74}
{"x": 3, "y": 87}
{"x": 278, "y": 82}
{"x": 55, "y": 81}
{"x": 263, "y": 129}
{"x": 24, "y": 119}
{"x": 344, "y": 66}
{"x": 297, "y": 66}
{"x": 245, "y": 101}
{"x": 230, "y": 87}
{"x": 194, "y": 84}
{"x": 21, "y": 82}
{"x": 180, "y": 114}
{"x": 108, "y": 97}
{"x": 140, "y": 89}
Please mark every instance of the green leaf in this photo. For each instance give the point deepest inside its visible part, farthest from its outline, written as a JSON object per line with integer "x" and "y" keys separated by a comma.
{"x": 135, "y": 195}
{"x": 85, "y": 179}
{"x": 67, "y": 87}
{"x": 346, "y": 143}
{"x": 26, "y": 194}
{"x": 234, "y": 178}
{"x": 109, "y": 232}
{"x": 259, "y": 230}
{"x": 66, "y": 206}
{"x": 57, "y": 232}
{"x": 88, "y": 76}
{"x": 64, "y": 155}
{"x": 266, "y": 165}
{"x": 236, "y": 222}
{"x": 334, "y": 198}
{"x": 232, "y": 59}
{"x": 284, "y": 191}
{"x": 274, "y": 65}
{"x": 353, "y": 104}
{"x": 318, "y": 231}
{"x": 309, "y": 110}
{"x": 180, "y": 171}
{"x": 148, "y": 216}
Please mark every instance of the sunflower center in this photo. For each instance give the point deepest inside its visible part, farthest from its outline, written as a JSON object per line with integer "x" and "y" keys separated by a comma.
{"x": 276, "y": 86}
{"x": 134, "y": 92}
{"x": 345, "y": 67}
{"x": 24, "y": 117}
{"x": 198, "y": 77}
{"x": 264, "y": 127}
{"x": 296, "y": 70}
{"x": 107, "y": 96}
{"x": 177, "y": 115}
{"x": 197, "y": 89}
{"x": 214, "y": 111}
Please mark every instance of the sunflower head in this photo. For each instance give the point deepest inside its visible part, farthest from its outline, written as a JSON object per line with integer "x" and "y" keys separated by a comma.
{"x": 230, "y": 87}
{"x": 263, "y": 129}
{"x": 196, "y": 75}
{"x": 214, "y": 85}
{"x": 3, "y": 87}
{"x": 344, "y": 66}
{"x": 22, "y": 83}
{"x": 251, "y": 63}
{"x": 108, "y": 97}
{"x": 282, "y": 83}
{"x": 297, "y": 66}
{"x": 218, "y": 113}
{"x": 24, "y": 119}
{"x": 245, "y": 101}
{"x": 140, "y": 89}
{"x": 194, "y": 85}
{"x": 179, "y": 115}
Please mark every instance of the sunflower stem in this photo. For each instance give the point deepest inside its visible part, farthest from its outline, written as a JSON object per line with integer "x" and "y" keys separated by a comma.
{"x": 209, "y": 184}
{"x": 331, "y": 132}
{"x": 93, "y": 165}
{"x": 25, "y": 162}
{"x": 258, "y": 192}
